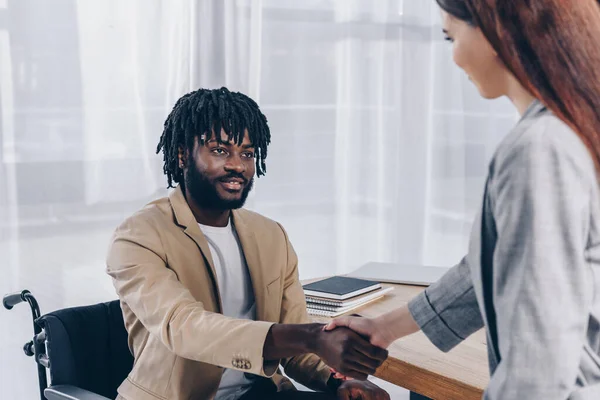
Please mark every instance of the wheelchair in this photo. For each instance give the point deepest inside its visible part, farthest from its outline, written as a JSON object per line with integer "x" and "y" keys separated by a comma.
{"x": 84, "y": 349}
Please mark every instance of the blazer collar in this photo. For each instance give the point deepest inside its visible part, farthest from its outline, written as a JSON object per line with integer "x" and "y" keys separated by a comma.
{"x": 256, "y": 266}
{"x": 184, "y": 217}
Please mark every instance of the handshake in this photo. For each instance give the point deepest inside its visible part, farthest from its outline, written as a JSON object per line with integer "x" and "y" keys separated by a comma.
{"x": 354, "y": 347}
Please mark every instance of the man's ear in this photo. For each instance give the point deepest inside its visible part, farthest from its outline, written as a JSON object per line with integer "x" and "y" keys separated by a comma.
{"x": 182, "y": 158}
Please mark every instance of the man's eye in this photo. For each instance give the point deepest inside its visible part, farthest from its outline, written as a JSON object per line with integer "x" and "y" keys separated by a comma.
{"x": 249, "y": 155}
{"x": 448, "y": 39}
{"x": 218, "y": 151}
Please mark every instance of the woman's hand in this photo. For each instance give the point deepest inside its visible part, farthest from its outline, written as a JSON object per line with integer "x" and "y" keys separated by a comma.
{"x": 370, "y": 328}
{"x": 381, "y": 331}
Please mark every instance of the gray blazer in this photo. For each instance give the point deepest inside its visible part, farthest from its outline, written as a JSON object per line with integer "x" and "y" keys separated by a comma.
{"x": 532, "y": 273}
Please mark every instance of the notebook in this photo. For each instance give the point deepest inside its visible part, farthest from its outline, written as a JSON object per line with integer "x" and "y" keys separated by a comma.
{"x": 339, "y": 311}
{"x": 311, "y": 301}
{"x": 400, "y": 273}
{"x": 340, "y": 287}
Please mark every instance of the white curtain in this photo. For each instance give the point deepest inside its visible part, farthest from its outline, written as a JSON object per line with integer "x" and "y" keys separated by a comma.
{"x": 380, "y": 144}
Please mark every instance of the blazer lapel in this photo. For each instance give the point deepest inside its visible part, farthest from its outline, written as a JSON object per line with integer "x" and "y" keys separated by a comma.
{"x": 480, "y": 263}
{"x": 255, "y": 266}
{"x": 488, "y": 240}
{"x": 185, "y": 219}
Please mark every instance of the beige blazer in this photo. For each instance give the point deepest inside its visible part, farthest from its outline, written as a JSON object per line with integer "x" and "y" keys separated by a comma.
{"x": 162, "y": 270}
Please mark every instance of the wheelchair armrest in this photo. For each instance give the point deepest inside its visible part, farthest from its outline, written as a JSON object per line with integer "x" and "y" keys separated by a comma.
{"x": 68, "y": 392}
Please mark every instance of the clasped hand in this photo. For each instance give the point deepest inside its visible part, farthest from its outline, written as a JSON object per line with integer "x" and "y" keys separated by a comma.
{"x": 352, "y": 356}
{"x": 368, "y": 329}
{"x": 349, "y": 353}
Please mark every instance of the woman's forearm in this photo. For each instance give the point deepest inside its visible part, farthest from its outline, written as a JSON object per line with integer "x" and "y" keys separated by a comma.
{"x": 398, "y": 323}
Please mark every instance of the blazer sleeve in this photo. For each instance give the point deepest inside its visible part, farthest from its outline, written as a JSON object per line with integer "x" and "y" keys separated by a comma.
{"x": 307, "y": 369}
{"x": 137, "y": 263}
{"x": 447, "y": 311}
{"x": 543, "y": 284}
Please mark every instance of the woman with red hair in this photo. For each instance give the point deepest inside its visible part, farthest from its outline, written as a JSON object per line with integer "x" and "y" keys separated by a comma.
{"x": 532, "y": 273}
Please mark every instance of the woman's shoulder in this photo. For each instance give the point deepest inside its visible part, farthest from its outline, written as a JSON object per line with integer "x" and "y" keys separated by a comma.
{"x": 544, "y": 136}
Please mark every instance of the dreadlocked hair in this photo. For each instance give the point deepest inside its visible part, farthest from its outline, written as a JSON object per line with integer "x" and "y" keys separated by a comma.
{"x": 205, "y": 112}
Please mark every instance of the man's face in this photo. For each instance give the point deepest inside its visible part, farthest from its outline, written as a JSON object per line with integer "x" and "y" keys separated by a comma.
{"x": 219, "y": 176}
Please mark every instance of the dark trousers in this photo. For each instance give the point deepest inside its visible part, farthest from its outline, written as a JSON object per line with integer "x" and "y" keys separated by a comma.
{"x": 292, "y": 395}
{"x": 265, "y": 389}
{"x": 415, "y": 396}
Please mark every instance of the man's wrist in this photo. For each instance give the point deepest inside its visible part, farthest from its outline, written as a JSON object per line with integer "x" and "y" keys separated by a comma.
{"x": 333, "y": 384}
{"x": 314, "y": 334}
{"x": 284, "y": 340}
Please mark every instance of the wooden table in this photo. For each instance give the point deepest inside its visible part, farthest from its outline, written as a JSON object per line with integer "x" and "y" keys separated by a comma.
{"x": 417, "y": 365}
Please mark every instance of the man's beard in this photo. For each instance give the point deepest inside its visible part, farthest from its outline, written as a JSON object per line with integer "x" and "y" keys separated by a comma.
{"x": 205, "y": 194}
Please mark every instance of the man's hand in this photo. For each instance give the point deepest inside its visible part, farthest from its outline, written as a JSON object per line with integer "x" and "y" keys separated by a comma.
{"x": 348, "y": 353}
{"x": 342, "y": 349}
{"x": 363, "y": 390}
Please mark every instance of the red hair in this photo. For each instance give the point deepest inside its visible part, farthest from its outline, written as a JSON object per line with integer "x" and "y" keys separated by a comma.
{"x": 553, "y": 49}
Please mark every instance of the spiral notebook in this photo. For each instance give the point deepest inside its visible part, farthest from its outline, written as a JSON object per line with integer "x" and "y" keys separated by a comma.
{"x": 339, "y": 311}
{"x": 311, "y": 301}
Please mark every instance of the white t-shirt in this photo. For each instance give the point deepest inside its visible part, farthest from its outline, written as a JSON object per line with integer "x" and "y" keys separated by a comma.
{"x": 237, "y": 295}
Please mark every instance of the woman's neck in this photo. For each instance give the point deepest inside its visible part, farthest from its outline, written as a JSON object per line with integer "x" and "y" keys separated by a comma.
{"x": 519, "y": 96}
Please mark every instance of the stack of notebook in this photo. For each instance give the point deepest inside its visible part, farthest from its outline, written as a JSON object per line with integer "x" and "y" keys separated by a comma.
{"x": 335, "y": 296}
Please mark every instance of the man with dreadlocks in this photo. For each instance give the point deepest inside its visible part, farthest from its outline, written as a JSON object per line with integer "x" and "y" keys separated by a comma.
{"x": 209, "y": 291}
